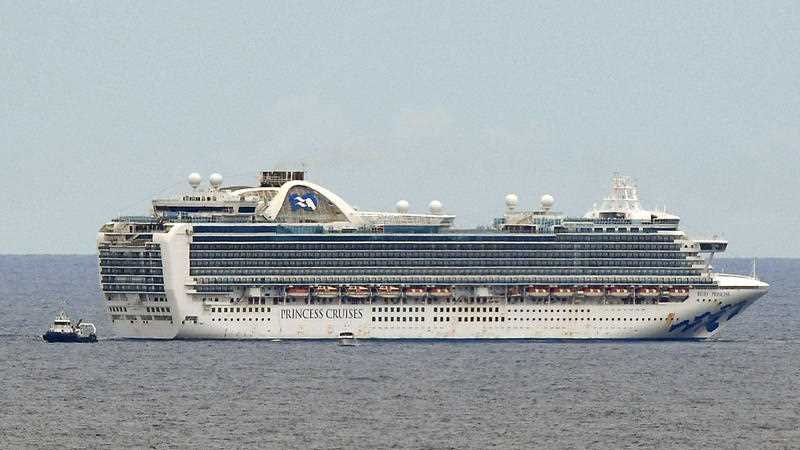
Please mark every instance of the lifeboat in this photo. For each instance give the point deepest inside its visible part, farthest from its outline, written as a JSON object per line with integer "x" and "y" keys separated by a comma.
{"x": 618, "y": 292}
{"x": 514, "y": 291}
{"x": 648, "y": 292}
{"x": 537, "y": 291}
{"x": 416, "y": 291}
{"x": 441, "y": 292}
{"x": 297, "y": 291}
{"x": 327, "y": 291}
{"x": 388, "y": 291}
{"x": 563, "y": 292}
{"x": 678, "y": 292}
{"x": 592, "y": 292}
{"x": 358, "y": 291}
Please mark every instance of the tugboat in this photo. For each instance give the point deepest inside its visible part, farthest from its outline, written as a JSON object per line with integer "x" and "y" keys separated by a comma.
{"x": 62, "y": 330}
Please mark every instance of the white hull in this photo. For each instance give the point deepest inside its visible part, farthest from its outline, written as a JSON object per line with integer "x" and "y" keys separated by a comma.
{"x": 255, "y": 276}
{"x": 700, "y": 316}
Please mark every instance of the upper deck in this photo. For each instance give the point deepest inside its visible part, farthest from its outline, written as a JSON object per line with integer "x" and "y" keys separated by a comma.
{"x": 285, "y": 202}
{"x": 290, "y": 230}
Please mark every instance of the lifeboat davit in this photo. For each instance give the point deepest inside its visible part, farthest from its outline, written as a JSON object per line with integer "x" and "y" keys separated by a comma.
{"x": 648, "y": 292}
{"x": 618, "y": 292}
{"x": 297, "y": 291}
{"x": 358, "y": 291}
{"x": 679, "y": 292}
{"x": 388, "y": 291}
{"x": 416, "y": 291}
{"x": 563, "y": 292}
{"x": 537, "y": 291}
{"x": 441, "y": 292}
{"x": 327, "y": 291}
{"x": 592, "y": 292}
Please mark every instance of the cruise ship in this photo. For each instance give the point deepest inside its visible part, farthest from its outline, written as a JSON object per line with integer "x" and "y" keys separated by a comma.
{"x": 289, "y": 259}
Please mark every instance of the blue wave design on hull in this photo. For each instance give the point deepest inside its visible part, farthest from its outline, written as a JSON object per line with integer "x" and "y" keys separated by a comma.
{"x": 708, "y": 319}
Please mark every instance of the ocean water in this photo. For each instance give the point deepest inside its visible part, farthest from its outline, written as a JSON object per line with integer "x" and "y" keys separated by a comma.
{"x": 740, "y": 390}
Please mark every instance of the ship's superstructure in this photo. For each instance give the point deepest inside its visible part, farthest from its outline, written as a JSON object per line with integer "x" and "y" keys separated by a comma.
{"x": 290, "y": 259}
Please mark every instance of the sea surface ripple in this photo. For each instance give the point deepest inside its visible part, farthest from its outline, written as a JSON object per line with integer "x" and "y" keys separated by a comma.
{"x": 739, "y": 390}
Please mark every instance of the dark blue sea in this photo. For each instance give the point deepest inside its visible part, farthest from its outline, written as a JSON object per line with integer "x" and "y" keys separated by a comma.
{"x": 740, "y": 390}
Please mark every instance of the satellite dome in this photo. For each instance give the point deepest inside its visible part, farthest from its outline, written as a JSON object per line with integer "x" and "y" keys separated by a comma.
{"x": 215, "y": 179}
{"x": 547, "y": 201}
{"x": 512, "y": 201}
{"x": 402, "y": 206}
{"x": 435, "y": 206}
{"x": 195, "y": 179}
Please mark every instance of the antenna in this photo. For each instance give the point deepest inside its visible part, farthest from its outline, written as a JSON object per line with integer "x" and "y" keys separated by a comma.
{"x": 754, "y": 276}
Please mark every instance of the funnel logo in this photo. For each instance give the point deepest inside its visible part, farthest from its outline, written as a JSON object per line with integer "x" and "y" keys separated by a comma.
{"x": 307, "y": 202}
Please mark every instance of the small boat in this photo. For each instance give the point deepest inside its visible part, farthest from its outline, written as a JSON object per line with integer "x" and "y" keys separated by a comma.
{"x": 538, "y": 291}
{"x": 327, "y": 291}
{"x": 514, "y": 291}
{"x": 618, "y": 292}
{"x": 592, "y": 292}
{"x": 678, "y": 292}
{"x": 441, "y": 292}
{"x": 347, "y": 339}
{"x": 648, "y": 292}
{"x": 62, "y": 330}
{"x": 388, "y": 291}
{"x": 416, "y": 291}
{"x": 562, "y": 292}
{"x": 358, "y": 291}
{"x": 297, "y": 291}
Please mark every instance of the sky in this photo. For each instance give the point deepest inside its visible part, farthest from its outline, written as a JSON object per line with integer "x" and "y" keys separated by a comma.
{"x": 105, "y": 105}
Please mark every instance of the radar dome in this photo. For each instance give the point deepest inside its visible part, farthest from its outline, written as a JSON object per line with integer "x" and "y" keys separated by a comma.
{"x": 195, "y": 179}
{"x": 215, "y": 179}
{"x": 435, "y": 206}
{"x": 547, "y": 201}
{"x": 402, "y": 206}
{"x": 512, "y": 201}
